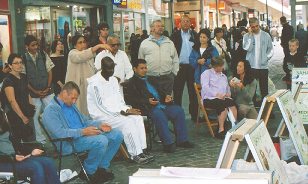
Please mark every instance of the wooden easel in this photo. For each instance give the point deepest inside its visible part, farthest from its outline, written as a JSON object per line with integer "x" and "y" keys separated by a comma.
{"x": 282, "y": 124}
{"x": 232, "y": 142}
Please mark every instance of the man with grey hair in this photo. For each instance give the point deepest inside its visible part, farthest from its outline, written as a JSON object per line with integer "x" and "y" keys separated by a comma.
{"x": 161, "y": 57}
{"x": 259, "y": 47}
{"x": 123, "y": 69}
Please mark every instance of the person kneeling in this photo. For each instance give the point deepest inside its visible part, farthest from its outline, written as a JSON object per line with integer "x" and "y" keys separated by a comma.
{"x": 62, "y": 119}
{"x": 141, "y": 94}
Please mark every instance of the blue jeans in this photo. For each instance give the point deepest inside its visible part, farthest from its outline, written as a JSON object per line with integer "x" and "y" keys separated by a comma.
{"x": 41, "y": 170}
{"x": 160, "y": 118}
{"x": 101, "y": 149}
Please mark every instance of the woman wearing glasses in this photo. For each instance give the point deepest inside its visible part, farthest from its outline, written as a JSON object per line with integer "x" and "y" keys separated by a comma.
{"x": 16, "y": 100}
{"x": 80, "y": 66}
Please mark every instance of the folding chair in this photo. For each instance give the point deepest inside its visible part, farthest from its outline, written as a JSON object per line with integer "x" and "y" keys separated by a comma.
{"x": 122, "y": 148}
{"x": 203, "y": 110}
{"x": 80, "y": 156}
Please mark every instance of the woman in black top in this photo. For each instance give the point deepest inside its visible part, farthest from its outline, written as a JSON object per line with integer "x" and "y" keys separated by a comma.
{"x": 16, "y": 101}
{"x": 60, "y": 62}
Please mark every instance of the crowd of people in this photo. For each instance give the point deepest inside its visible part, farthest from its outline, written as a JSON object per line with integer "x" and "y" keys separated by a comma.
{"x": 106, "y": 95}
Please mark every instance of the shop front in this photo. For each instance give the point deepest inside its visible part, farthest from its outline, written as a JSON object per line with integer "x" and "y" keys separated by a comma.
{"x": 133, "y": 16}
{"x": 5, "y": 29}
{"x": 46, "y": 19}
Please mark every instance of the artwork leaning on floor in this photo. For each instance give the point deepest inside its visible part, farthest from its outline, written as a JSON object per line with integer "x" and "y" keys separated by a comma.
{"x": 264, "y": 153}
{"x": 295, "y": 126}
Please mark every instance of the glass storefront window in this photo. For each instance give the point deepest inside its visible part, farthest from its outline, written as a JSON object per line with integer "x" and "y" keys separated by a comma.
{"x": 37, "y": 23}
{"x": 158, "y": 8}
{"x": 81, "y": 18}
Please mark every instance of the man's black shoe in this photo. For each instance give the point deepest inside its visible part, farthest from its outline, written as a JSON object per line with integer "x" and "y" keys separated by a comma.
{"x": 169, "y": 148}
{"x": 101, "y": 172}
{"x": 221, "y": 135}
{"x": 185, "y": 144}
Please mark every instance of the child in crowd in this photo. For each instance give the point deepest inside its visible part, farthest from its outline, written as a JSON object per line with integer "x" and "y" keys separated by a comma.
{"x": 292, "y": 59}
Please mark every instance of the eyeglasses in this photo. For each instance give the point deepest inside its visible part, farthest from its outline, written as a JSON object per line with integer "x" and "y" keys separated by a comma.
{"x": 81, "y": 42}
{"x": 18, "y": 63}
{"x": 115, "y": 44}
{"x": 255, "y": 26}
{"x": 104, "y": 29}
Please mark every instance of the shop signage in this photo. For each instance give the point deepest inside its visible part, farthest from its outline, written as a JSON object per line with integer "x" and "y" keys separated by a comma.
{"x": 123, "y": 4}
{"x": 116, "y": 2}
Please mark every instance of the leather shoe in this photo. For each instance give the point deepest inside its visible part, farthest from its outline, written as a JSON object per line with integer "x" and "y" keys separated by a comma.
{"x": 169, "y": 148}
{"x": 185, "y": 144}
{"x": 221, "y": 135}
{"x": 101, "y": 172}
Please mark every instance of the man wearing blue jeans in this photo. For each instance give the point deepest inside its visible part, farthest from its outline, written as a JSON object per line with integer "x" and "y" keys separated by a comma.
{"x": 62, "y": 119}
{"x": 141, "y": 94}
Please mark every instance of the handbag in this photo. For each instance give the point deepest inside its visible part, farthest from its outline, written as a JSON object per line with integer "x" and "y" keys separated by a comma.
{"x": 226, "y": 54}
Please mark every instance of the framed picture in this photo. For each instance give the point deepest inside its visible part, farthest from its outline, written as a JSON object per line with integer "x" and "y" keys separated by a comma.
{"x": 264, "y": 153}
{"x": 301, "y": 75}
{"x": 295, "y": 126}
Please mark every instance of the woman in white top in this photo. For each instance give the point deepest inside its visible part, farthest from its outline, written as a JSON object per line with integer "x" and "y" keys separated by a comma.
{"x": 80, "y": 66}
{"x": 220, "y": 44}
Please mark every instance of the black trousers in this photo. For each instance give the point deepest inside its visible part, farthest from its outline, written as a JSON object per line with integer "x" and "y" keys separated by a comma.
{"x": 262, "y": 76}
{"x": 163, "y": 83}
{"x": 186, "y": 75}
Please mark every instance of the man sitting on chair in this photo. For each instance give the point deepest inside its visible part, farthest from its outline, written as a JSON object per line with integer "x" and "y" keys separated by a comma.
{"x": 106, "y": 103}
{"x": 62, "y": 119}
{"x": 141, "y": 94}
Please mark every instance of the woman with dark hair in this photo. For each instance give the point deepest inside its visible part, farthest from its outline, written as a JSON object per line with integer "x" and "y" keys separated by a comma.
{"x": 16, "y": 101}
{"x": 60, "y": 61}
{"x": 243, "y": 88}
{"x": 216, "y": 93}
{"x": 202, "y": 53}
{"x": 80, "y": 66}
{"x": 220, "y": 44}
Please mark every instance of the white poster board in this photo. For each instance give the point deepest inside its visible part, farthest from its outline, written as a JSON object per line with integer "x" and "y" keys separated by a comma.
{"x": 264, "y": 153}
{"x": 301, "y": 75}
{"x": 295, "y": 126}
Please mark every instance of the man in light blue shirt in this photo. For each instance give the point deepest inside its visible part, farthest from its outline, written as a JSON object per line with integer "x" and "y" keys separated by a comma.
{"x": 183, "y": 41}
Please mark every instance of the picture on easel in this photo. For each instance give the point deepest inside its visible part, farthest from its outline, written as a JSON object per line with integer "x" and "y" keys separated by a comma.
{"x": 295, "y": 126}
{"x": 264, "y": 153}
{"x": 300, "y": 75}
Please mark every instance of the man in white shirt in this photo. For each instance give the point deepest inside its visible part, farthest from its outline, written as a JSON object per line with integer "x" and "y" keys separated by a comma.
{"x": 259, "y": 47}
{"x": 105, "y": 103}
{"x": 123, "y": 68}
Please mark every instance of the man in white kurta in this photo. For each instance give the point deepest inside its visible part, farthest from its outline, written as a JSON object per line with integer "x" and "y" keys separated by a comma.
{"x": 105, "y": 103}
{"x": 123, "y": 69}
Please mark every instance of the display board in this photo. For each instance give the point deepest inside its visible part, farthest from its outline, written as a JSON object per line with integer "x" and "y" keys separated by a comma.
{"x": 264, "y": 153}
{"x": 295, "y": 126}
{"x": 300, "y": 75}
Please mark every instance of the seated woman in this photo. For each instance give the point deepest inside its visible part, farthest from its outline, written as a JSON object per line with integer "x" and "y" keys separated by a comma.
{"x": 216, "y": 93}
{"x": 243, "y": 88}
{"x": 202, "y": 53}
{"x": 40, "y": 169}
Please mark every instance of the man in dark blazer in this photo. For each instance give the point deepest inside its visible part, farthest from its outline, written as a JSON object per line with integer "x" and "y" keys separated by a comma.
{"x": 183, "y": 40}
{"x": 141, "y": 94}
